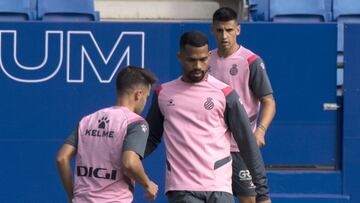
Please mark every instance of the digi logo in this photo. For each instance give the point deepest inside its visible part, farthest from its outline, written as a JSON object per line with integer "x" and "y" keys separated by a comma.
{"x": 96, "y": 172}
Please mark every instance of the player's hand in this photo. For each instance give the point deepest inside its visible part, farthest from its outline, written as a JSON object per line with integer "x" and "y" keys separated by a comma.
{"x": 260, "y": 137}
{"x": 151, "y": 191}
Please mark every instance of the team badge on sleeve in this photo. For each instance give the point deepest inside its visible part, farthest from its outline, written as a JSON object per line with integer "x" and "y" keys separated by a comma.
{"x": 240, "y": 101}
{"x": 262, "y": 65}
{"x": 144, "y": 128}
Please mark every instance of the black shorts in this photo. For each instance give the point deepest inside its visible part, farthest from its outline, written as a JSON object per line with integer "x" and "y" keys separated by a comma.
{"x": 242, "y": 183}
{"x": 241, "y": 179}
{"x": 199, "y": 197}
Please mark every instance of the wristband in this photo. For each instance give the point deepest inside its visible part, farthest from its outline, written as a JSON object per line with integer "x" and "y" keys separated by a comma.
{"x": 262, "y": 127}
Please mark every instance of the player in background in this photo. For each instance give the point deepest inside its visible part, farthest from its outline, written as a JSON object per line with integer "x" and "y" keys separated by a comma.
{"x": 244, "y": 71}
{"x": 108, "y": 145}
{"x": 196, "y": 114}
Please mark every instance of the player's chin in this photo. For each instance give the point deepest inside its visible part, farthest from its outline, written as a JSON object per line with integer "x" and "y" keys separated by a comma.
{"x": 225, "y": 45}
{"x": 197, "y": 78}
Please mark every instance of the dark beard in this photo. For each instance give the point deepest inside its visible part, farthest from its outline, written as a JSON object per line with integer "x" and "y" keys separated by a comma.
{"x": 196, "y": 79}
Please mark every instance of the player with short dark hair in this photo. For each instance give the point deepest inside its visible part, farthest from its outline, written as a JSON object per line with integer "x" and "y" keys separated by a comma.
{"x": 108, "y": 145}
{"x": 245, "y": 72}
{"x": 196, "y": 114}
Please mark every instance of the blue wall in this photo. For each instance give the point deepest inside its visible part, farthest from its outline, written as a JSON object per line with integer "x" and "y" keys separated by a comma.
{"x": 351, "y": 132}
{"x": 48, "y": 87}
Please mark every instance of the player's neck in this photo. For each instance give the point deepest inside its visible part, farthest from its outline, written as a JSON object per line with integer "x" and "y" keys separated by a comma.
{"x": 224, "y": 53}
{"x": 125, "y": 102}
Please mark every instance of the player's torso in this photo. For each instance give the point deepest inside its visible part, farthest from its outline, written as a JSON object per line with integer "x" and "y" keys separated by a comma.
{"x": 192, "y": 109}
{"x": 195, "y": 135}
{"x": 98, "y": 171}
{"x": 235, "y": 71}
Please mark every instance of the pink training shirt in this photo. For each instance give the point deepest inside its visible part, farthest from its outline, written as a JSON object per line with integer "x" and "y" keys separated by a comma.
{"x": 196, "y": 120}
{"x": 100, "y": 140}
{"x": 245, "y": 72}
{"x": 192, "y": 149}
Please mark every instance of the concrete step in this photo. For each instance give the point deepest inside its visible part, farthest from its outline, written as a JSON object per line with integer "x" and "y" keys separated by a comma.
{"x": 156, "y": 10}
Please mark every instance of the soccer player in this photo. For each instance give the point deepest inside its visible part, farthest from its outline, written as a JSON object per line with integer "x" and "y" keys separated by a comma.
{"x": 245, "y": 72}
{"x": 196, "y": 114}
{"x": 108, "y": 146}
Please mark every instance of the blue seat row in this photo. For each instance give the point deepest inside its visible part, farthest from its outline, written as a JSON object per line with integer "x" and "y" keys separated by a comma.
{"x": 340, "y": 11}
{"x": 48, "y": 10}
{"x": 304, "y": 10}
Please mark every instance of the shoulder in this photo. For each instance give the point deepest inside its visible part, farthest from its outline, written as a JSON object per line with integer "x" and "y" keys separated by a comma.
{"x": 219, "y": 85}
{"x": 249, "y": 55}
{"x": 131, "y": 117}
{"x": 166, "y": 85}
{"x": 94, "y": 114}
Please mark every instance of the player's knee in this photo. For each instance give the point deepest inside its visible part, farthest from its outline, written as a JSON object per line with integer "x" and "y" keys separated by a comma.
{"x": 264, "y": 201}
{"x": 247, "y": 199}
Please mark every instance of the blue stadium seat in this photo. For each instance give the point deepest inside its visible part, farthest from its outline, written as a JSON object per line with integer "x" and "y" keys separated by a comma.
{"x": 345, "y": 11}
{"x": 346, "y": 8}
{"x": 300, "y": 10}
{"x": 67, "y": 10}
{"x": 17, "y": 10}
{"x": 258, "y": 10}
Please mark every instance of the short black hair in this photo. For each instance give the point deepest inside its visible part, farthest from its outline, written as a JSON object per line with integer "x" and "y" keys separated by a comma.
{"x": 193, "y": 38}
{"x": 224, "y": 14}
{"x": 131, "y": 76}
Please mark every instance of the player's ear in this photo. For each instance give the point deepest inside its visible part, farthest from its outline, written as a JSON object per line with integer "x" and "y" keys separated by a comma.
{"x": 138, "y": 94}
{"x": 238, "y": 30}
